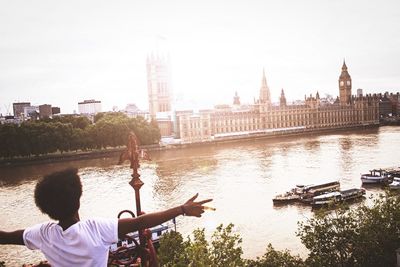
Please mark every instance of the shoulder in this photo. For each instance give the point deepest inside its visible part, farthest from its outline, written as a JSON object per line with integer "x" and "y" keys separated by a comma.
{"x": 100, "y": 224}
{"x": 41, "y": 227}
{"x": 105, "y": 228}
{"x": 34, "y": 235}
{"x": 99, "y": 221}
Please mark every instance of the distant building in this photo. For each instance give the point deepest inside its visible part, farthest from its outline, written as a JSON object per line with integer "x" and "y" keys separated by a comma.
{"x": 395, "y": 99}
{"x": 359, "y": 92}
{"x": 225, "y": 121}
{"x": 55, "y": 110}
{"x": 18, "y": 108}
{"x": 131, "y": 108}
{"x": 165, "y": 123}
{"x": 389, "y": 104}
{"x": 132, "y": 111}
{"x": 31, "y": 111}
{"x": 158, "y": 85}
{"x": 89, "y": 107}
{"x": 10, "y": 119}
{"x": 45, "y": 111}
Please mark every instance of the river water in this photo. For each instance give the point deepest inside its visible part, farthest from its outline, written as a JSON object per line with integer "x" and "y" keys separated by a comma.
{"x": 242, "y": 178}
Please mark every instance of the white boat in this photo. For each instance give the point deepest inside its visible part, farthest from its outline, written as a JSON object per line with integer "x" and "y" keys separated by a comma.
{"x": 376, "y": 176}
{"x": 129, "y": 243}
{"x": 311, "y": 191}
{"x": 332, "y": 198}
{"x": 326, "y": 199}
{"x": 305, "y": 193}
{"x": 395, "y": 184}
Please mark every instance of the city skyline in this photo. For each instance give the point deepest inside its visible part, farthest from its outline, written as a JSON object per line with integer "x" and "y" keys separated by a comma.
{"x": 64, "y": 53}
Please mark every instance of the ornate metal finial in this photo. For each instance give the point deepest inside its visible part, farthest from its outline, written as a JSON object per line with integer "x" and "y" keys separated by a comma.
{"x": 133, "y": 153}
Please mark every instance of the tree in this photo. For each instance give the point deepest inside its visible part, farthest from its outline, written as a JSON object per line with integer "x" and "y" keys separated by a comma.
{"x": 80, "y": 122}
{"x": 72, "y": 133}
{"x": 226, "y": 249}
{"x": 363, "y": 236}
{"x": 112, "y": 129}
{"x": 197, "y": 251}
{"x": 9, "y": 141}
{"x": 275, "y": 258}
{"x": 378, "y": 232}
{"x": 172, "y": 250}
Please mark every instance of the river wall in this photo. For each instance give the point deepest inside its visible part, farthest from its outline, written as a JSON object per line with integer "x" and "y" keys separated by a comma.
{"x": 272, "y": 135}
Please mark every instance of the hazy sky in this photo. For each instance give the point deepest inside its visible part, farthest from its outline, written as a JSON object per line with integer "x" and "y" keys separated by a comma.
{"x": 62, "y": 52}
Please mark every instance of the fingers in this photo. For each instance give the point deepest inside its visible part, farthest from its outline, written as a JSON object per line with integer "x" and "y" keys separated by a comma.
{"x": 201, "y": 212}
{"x": 204, "y": 201}
{"x": 194, "y": 197}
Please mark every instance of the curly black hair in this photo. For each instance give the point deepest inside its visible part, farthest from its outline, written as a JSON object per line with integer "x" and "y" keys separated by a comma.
{"x": 58, "y": 194}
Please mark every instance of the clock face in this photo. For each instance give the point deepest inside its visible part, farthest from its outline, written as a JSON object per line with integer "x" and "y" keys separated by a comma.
{"x": 348, "y": 82}
{"x": 341, "y": 83}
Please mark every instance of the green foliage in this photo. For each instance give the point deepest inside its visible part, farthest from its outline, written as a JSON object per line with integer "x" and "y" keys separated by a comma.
{"x": 73, "y": 133}
{"x": 224, "y": 250}
{"x": 363, "y": 236}
{"x": 329, "y": 237}
{"x": 197, "y": 251}
{"x": 172, "y": 250}
{"x": 275, "y": 258}
{"x": 112, "y": 129}
{"x": 80, "y": 122}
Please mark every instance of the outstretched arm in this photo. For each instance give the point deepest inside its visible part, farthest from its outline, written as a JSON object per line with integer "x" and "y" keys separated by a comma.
{"x": 190, "y": 208}
{"x": 12, "y": 238}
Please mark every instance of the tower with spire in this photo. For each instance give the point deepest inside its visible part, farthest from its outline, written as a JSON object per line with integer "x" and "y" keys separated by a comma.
{"x": 158, "y": 84}
{"x": 236, "y": 99}
{"x": 265, "y": 96}
{"x": 344, "y": 86}
{"x": 282, "y": 99}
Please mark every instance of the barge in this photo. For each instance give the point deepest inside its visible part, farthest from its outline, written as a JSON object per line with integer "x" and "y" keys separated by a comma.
{"x": 305, "y": 194}
{"x": 336, "y": 197}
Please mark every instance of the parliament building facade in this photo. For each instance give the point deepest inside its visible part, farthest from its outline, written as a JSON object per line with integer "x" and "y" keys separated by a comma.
{"x": 262, "y": 117}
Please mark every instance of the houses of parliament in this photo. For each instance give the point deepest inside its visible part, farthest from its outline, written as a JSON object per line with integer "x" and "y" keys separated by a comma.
{"x": 262, "y": 117}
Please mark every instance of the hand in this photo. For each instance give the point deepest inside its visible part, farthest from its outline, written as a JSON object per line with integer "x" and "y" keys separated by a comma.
{"x": 192, "y": 208}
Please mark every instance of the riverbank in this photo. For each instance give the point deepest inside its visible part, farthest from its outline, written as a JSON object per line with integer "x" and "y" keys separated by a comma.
{"x": 115, "y": 152}
{"x": 66, "y": 156}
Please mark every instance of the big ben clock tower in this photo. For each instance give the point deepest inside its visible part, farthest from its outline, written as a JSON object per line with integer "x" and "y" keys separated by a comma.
{"x": 344, "y": 86}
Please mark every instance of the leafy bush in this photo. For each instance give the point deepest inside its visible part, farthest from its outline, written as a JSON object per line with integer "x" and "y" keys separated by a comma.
{"x": 363, "y": 236}
{"x": 275, "y": 258}
{"x": 223, "y": 251}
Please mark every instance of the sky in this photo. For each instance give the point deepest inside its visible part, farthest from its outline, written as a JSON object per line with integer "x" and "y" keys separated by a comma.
{"x": 64, "y": 52}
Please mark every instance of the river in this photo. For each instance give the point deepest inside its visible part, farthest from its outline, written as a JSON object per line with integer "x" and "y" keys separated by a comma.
{"x": 241, "y": 177}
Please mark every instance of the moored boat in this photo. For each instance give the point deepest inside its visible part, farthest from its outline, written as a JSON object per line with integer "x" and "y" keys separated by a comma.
{"x": 395, "y": 184}
{"x": 315, "y": 190}
{"x": 306, "y": 193}
{"x": 287, "y": 197}
{"x": 375, "y": 176}
{"x": 336, "y": 197}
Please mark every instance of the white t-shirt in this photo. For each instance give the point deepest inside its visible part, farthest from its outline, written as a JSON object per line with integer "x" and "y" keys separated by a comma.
{"x": 85, "y": 243}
